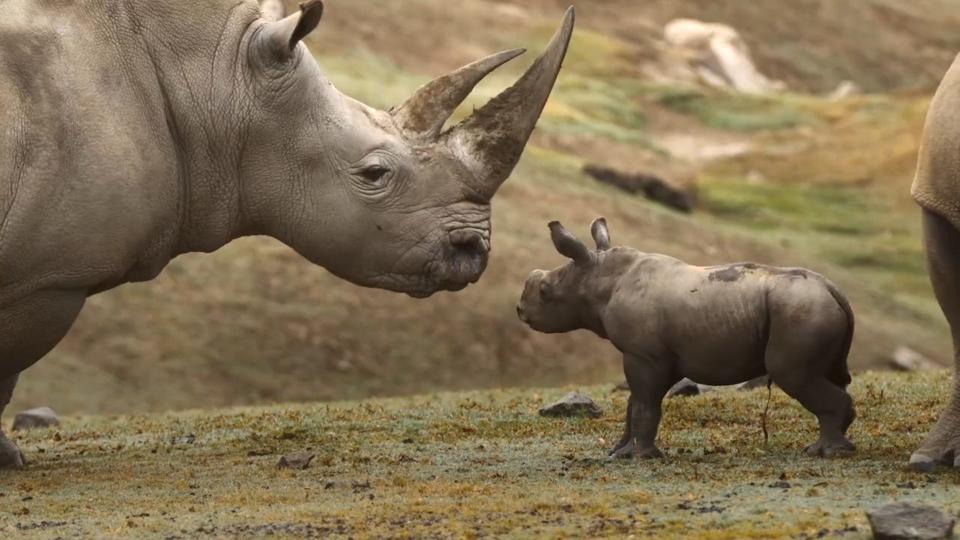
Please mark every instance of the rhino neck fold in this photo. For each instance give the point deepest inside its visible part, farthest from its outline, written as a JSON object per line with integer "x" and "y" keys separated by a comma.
{"x": 201, "y": 105}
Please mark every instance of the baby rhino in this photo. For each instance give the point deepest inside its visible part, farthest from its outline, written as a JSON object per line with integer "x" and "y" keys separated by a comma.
{"x": 716, "y": 325}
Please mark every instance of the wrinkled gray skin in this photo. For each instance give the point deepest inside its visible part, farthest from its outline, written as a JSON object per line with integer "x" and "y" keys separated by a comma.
{"x": 134, "y": 131}
{"x": 937, "y": 190}
{"x": 717, "y": 325}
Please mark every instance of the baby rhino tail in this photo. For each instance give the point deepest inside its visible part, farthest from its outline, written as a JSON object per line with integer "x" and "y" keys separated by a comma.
{"x": 839, "y": 373}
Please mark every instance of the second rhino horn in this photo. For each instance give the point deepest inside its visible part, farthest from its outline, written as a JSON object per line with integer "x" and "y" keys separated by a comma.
{"x": 425, "y": 113}
{"x": 492, "y": 139}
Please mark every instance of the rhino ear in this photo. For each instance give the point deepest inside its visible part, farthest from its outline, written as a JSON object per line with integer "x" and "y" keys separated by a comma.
{"x": 568, "y": 245}
{"x": 600, "y": 233}
{"x": 272, "y": 10}
{"x": 280, "y": 38}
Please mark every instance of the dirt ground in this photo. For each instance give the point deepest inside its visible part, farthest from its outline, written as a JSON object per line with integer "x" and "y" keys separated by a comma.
{"x": 475, "y": 464}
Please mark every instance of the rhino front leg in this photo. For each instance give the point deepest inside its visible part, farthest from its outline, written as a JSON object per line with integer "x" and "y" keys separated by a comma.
{"x": 10, "y": 455}
{"x": 28, "y": 330}
{"x": 649, "y": 380}
{"x": 942, "y": 245}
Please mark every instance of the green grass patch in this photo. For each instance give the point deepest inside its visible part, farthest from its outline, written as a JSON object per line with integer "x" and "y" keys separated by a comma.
{"x": 733, "y": 111}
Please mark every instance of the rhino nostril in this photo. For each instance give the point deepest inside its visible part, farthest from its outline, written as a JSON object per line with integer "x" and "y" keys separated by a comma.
{"x": 469, "y": 242}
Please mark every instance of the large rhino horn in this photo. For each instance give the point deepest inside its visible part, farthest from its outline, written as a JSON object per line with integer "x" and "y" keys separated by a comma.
{"x": 425, "y": 113}
{"x": 491, "y": 140}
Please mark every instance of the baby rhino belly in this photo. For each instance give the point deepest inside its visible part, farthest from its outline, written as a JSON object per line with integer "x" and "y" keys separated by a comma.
{"x": 720, "y": 344}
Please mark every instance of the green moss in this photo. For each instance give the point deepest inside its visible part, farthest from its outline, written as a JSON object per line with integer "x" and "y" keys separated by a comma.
{"x": 733, "y": 111}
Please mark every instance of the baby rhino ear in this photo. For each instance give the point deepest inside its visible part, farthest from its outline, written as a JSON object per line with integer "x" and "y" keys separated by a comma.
{"x": 600, "y": 233}
{"x": 568, "y": 245}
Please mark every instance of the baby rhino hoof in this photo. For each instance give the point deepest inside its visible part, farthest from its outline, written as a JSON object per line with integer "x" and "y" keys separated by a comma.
{"x": 831, "y": 449}
{"x": 630, "y": 451}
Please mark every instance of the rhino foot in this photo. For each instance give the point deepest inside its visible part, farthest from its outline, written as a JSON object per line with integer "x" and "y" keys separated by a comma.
{"x": 831, "y": 449}
{"x": 10, "y": 456}
{"x": 630, "y": 451}
{"x": 927, "y": 459}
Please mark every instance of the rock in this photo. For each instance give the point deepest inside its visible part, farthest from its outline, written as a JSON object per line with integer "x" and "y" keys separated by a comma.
{"x": 572, "y": 404}
{"x": 758, "y": 382}
{"x": 685, "y": 387}
{"x": 621, "y": 387}
{"x": 718, "y": 55}
{"x": 296, "y": 460}
{"x": 907, "y": 520}
{"x": 907, "y": 359}
{"x": 40, "y": 417}
{"x": 652, "y": 187}
{"x": 844, "y": 90}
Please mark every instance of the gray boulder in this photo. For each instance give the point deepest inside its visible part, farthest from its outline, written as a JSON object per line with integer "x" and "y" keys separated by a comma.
{"x": 40, "y": 417}
{"x": 296, "y": 460}
{"x": 571, "y": 405}
{"x": 685, "y": 387}
{"x": 909, "y": 521}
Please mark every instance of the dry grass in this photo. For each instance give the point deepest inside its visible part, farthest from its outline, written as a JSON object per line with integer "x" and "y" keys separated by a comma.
{"x": 474, "y": 464}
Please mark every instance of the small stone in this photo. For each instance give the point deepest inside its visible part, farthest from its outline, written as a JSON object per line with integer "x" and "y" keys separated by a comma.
{"x": 296, "y": 460}
{"x": 909, "y": 521}
{"x": 572, "y": 404}
{"x": 685, "y": 387}
{"x": 621, "y": 387}
{"x": 41, "y": 417}
{"x": 907, "y": 359}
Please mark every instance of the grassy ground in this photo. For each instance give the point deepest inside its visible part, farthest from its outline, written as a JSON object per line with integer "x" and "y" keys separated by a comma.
{"x": 474, "y": 464}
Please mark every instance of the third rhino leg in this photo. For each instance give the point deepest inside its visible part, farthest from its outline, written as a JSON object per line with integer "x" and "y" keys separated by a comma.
{"x": 649, "y": 380}
{"x": 942, "y": 244}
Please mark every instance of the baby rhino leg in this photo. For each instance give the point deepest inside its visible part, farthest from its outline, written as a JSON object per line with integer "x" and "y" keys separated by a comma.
{"x": 649, "y": 380}
{"x": 797, "y": 364}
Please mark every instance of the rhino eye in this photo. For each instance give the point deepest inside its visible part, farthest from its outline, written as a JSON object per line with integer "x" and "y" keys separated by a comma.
{"x": 375, "y": 174}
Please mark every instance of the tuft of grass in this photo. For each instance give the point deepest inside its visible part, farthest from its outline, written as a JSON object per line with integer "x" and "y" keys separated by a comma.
{"x": 475, "y": 464}
{"x": 733, "y": 111}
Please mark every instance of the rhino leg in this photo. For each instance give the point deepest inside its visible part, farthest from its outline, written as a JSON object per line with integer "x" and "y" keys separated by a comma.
{"x": 626, "y": 438}
{"x": 10, "y": 455}
{"x": 942, "y": 244}
{"x": 649, "y": 380}
{"x": 29, "y": 329}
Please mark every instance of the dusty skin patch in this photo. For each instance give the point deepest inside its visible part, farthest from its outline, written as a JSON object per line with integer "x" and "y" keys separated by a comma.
{"x": 471, "y": 464}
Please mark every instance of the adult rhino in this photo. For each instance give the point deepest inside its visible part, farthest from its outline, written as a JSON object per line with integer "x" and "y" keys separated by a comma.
{"x": 135, "y": 131}
{"x": 936, "y": 188}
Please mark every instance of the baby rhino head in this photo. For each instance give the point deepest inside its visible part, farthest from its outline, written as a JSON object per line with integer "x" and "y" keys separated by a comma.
{"x": 558, "y": 300}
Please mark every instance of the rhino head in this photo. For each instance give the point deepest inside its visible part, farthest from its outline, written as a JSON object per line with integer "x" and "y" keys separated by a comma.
{"x": 387, "y": 199}
{"x": 565, "y": 298}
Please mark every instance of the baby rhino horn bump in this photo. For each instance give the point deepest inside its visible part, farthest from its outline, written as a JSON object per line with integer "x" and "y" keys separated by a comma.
{"x": 600, "y": 233}
{"x": 425, "y": 113}
{"x": 492, "y": 139}
{"x": 568, "y": 245}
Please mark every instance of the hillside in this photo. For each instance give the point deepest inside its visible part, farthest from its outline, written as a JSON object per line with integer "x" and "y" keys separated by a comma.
{"x": 474, "y": 464}
{"x": 791, "y": 180}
